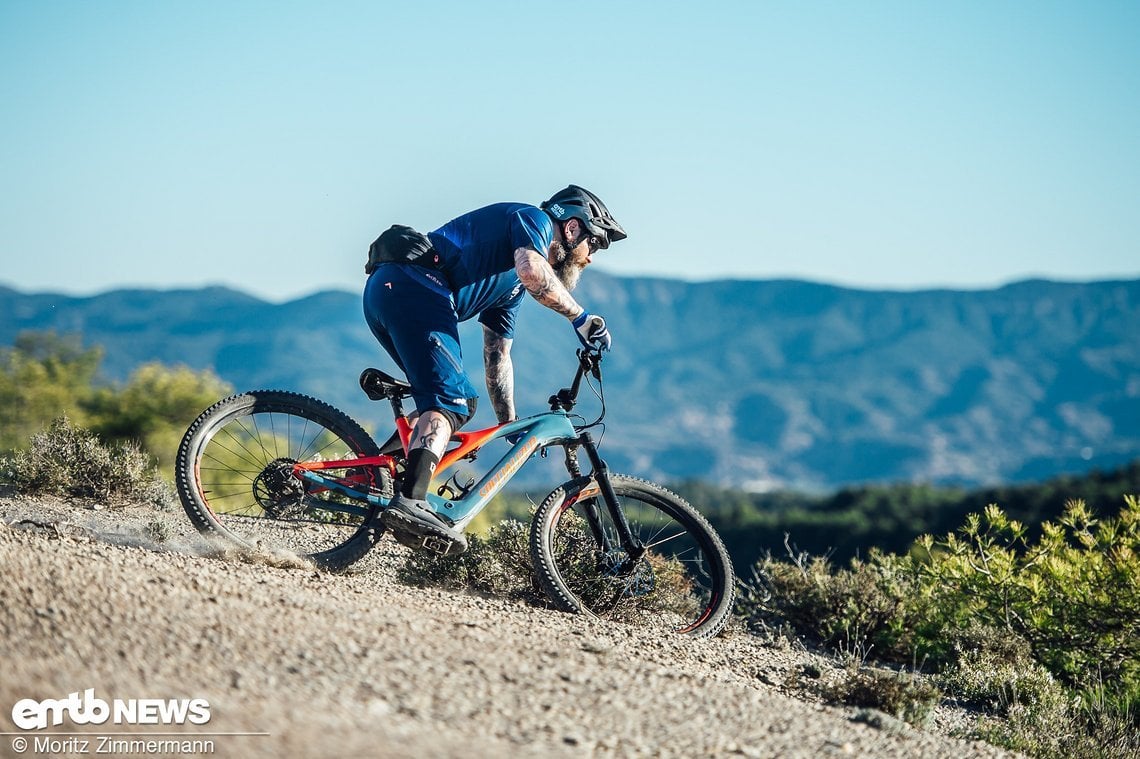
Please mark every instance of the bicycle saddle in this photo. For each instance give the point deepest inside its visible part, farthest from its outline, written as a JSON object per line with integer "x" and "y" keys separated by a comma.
{"x": 379, "y": 385}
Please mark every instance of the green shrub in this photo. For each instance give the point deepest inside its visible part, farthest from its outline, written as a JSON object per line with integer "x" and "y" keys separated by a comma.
{"x": 496, "y": 564}
{"x": 994, "y": 668}
{"x": 154, "y": 408}
{"x": 66, "y": 460}
{"x": 1066, "y": 729}
{"x": 1072, "y": 595}
{"x": 1043, "y": 632}
{"x": 904, "y": 696}
{"x": 44, "y": 376}
{"x": 873, "y": 605}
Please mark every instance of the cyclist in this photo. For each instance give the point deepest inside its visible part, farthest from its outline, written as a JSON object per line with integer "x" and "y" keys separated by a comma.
{"x": 421, "y": 286}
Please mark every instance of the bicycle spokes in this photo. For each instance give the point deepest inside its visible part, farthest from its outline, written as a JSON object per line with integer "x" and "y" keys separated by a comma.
{"x": 671, "y": 572}
{"x": 237, "y": 475}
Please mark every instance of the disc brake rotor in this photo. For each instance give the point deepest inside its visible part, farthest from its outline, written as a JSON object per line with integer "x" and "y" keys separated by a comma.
{"x": 278, "y": 492}
{"x": 636, "y": 578}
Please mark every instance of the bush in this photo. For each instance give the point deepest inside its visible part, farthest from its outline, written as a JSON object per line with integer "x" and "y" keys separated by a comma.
{"x": 497, "y": 564}
{"x": 43, "y": 377}
{"x": 154, "y": 408}
{"x": 1064, "y": 729}
{"x": 994, "y": 669}
{"x": 872, "y": 606}
{"x": 1072, "y": 595}
{"x": 66, "y": 460}
{"x": 1041, "y": 632}
{"x": 901, "y": 695}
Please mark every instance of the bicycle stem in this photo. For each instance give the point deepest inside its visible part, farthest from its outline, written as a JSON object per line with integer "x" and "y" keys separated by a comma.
{"x": 589, "y": 360}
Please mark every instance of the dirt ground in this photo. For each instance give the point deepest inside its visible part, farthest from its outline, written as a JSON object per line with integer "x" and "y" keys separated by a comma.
{"x": 295, "y": 662}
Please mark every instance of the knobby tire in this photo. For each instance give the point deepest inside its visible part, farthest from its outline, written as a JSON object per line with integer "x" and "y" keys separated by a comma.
{"x": 684, "y": 583}
{"x": 232, "y": 477}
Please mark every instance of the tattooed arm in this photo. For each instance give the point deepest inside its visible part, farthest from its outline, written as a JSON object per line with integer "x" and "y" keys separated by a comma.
{"x": 540, "y": 281}
{"x": 500, "y": 374}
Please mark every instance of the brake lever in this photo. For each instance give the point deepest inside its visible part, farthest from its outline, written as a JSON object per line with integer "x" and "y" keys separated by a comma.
{"x": 591, "y": 360}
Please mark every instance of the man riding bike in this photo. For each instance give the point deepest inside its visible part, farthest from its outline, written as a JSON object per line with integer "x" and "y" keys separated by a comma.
{"x": 421, "y": 286}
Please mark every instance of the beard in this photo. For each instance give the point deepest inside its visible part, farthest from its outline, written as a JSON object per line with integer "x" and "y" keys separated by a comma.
{"x": 564, "y": 267}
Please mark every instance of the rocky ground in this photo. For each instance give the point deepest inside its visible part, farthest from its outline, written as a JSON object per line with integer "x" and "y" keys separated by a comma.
{"x": 296, "y": 662}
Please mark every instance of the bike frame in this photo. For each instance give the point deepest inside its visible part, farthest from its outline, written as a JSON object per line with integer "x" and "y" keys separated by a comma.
{"x": 542, "y": 430}
{"x": 539, "y": 431}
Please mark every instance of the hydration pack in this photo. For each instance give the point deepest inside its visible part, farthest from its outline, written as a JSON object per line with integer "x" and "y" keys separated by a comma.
{"x": 401, "y": 245}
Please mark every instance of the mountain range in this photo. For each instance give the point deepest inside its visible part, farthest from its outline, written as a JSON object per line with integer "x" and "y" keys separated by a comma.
{"x": 758, "y": 384}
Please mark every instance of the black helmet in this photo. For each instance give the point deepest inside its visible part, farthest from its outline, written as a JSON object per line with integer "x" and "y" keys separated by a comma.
{"x": 579, "y": 203}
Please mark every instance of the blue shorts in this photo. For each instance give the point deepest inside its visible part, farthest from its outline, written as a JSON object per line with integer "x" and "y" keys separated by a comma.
{"x": 411, "y": 311}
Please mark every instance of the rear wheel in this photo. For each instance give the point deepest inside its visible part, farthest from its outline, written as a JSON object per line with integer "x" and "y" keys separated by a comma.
{"x": 234, "y": 474}
{"x": 683, "y": 582}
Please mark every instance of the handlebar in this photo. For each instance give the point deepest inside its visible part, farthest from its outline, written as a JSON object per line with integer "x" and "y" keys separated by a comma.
{"x": 589, "y": 360}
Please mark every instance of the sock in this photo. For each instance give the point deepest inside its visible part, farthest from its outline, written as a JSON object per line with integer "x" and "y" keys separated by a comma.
{"x": 417, "y": 475}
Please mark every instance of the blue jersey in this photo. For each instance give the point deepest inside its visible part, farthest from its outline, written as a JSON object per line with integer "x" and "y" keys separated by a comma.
{"x": 477, "y": 252}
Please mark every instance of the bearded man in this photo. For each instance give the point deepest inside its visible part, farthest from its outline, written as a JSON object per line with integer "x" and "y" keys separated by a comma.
{"x": 421, "y": 286}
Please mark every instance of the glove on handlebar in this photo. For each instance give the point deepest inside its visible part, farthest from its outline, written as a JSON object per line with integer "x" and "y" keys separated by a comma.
{"x": 591, "y": 329}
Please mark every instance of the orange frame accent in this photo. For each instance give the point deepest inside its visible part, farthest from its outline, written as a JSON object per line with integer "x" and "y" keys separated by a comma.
{"x": 468, "y": 442}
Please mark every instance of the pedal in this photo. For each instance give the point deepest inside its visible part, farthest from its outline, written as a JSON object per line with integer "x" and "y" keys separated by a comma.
{"x": 442, "y": 546}
{"x": 409, "y": 539}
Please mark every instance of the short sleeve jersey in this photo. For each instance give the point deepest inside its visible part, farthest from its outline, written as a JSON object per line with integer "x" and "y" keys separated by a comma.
{"x": 477, "y": 252}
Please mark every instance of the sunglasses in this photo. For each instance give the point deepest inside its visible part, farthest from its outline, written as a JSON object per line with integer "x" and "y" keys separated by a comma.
{"x": 597, "y": 243}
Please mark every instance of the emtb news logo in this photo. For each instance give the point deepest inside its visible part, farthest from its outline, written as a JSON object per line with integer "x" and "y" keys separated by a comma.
{"x": 29, "y": 714}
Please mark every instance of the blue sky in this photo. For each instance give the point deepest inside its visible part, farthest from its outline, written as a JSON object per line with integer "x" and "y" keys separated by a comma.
{"x": 263, "y": 145}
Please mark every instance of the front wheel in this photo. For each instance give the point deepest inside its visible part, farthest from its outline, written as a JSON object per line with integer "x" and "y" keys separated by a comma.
{"x": 682, "y": 581}
{"x": 234, "y": 474}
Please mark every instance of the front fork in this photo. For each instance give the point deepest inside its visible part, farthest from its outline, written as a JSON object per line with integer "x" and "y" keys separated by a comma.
{"x": 601, "y": 474}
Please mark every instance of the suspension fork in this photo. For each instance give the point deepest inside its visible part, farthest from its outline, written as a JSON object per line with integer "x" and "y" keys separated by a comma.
{"x": 632, "y": 546}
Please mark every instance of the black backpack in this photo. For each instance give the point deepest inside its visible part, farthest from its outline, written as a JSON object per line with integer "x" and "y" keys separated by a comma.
{"x": 401, "y": 245}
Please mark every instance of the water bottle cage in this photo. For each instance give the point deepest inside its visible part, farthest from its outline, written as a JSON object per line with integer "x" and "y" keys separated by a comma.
{"x": 452, "y": 490}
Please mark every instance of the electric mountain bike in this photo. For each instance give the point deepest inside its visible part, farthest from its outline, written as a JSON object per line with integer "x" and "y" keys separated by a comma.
{"x": 274, "y": 470}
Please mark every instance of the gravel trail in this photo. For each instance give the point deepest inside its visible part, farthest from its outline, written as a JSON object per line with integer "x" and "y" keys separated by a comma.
{"x": 315, "y": 664}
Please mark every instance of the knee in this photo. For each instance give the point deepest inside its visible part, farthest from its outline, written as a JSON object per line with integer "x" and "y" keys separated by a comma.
{"x": 455, "y": 418}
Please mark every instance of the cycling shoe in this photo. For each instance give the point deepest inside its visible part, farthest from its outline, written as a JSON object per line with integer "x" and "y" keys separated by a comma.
{"x": 417, "y": 526}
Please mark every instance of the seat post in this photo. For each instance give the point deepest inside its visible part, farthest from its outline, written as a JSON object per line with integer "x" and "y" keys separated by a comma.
{"x": 397, "y": 405}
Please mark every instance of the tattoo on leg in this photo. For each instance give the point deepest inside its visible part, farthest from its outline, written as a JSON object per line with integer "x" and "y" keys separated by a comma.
{"x": 433, "y": 435}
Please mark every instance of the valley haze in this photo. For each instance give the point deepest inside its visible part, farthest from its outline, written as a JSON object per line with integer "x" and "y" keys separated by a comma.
{"x": 756, "y": 384}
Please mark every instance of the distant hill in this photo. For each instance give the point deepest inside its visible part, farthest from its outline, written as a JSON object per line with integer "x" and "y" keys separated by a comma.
{"x": 748, "y": 383}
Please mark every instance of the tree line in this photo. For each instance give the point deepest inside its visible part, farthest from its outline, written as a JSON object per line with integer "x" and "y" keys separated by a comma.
{"x": 45, "y": 376}
{"x": 850, "y": 522}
